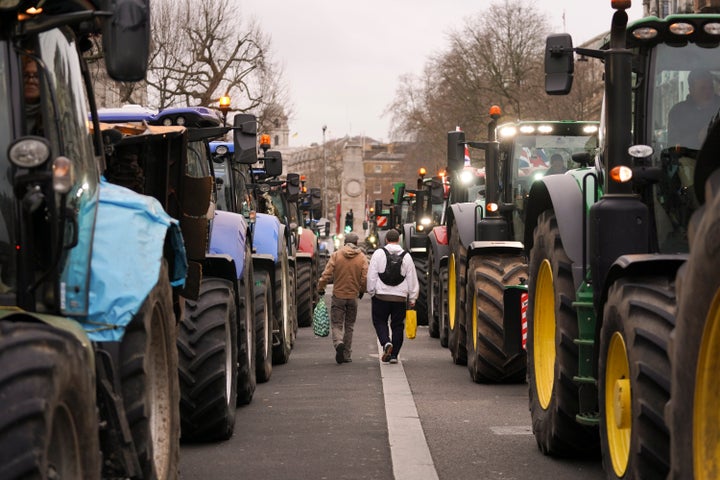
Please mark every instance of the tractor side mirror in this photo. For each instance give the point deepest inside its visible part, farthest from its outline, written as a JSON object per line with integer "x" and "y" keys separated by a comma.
{"x": 437, "y": 191}
{"x": 293, "y": 186}
{"x": 245, "y": 138}
{"x": 455, "y": 150}
{"x": 126, "y": 39}
{"x": 559, "y": 64}
{"x": 273, "y": 163}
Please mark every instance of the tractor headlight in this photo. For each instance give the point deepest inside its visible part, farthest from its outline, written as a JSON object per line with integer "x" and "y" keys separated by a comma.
{"x": 29, "y": 152}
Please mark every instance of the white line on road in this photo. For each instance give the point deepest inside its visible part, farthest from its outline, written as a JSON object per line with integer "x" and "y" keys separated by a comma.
{"x": 408, "y": 448}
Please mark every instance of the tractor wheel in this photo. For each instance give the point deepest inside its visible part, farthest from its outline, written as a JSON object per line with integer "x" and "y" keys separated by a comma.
{"x": 284, "y": 313}
{"x": 292, "y": 285}
{"x": 634, "y": 377}
{"x": 457, "y": 279}
{"x": 421, "y": 305}
{"x": 488, "y": 275}
{"x": 247, "y": 378}
{"x": 443, "y": 305}
{"x": 263, "y": 325}
{"x": 207, "y": 345}
{"x": 304, "y": 294}
{"x": 149, "y": 382}
{"x": 49, "y": 424}
{"x": 695, "y": 345}
{"x": 552, "y": 356}
{"x": 432, "y": 296}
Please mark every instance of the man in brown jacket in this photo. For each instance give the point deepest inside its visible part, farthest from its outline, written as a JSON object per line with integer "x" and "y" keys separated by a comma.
{"x": 347, "y": 268}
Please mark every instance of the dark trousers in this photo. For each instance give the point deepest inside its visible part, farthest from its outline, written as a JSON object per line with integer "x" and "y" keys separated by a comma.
{"x": 381, "y": 311}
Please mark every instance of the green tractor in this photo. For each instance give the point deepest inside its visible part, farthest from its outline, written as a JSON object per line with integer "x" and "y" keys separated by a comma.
{"x": 487, "y": 267}
{"x": 604, "y": 248}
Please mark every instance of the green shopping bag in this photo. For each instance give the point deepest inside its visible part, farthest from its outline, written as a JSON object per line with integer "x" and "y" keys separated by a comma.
{"x": 321, "y": 319}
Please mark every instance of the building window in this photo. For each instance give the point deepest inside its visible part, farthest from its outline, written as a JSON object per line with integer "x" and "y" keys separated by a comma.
{"x": 378, "y": 168}
{"x": 276, "y": 122}
{"x": 277, "y": 140}
{"x": 377, "y": 189}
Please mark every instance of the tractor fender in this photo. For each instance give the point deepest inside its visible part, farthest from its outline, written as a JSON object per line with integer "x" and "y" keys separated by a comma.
{"x": 136, "y": 229}
{"x": 649, "y": 264}
{"x": 465, "y": 216}
{"x": 228, "y": 237}
{"x": 61, "y": 323}
{"x": 479, "y": 247}
{"x": 267, "y": 234}
{"x": 221, "y": 265}
{"x": 562, "y": 194}
{"x": 437, "y": 242}
{"x": 307, "y": 243}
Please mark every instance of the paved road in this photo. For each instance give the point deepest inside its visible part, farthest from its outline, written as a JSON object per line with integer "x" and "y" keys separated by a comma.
{"x": 315, "y": 419}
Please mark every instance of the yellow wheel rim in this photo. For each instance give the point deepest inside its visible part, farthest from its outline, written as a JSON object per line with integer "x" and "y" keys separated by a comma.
{"x": 544, "y": 334}
{"x": 618, "y": 404}
{"x": 452, "y": 293}
{"x": 474, "y": 320}
{"x": 706, "y": 414}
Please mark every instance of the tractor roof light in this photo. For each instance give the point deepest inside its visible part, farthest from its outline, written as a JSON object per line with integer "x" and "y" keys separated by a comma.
{"x": 491, "y": 207}
{"x": 682, "y": 28}
{"x": 545, "y": 129}
{"x": 621, "y": 174}
{"x": 645, "y": 33}
{"x": 265, "y": 141}
{"x": 620, "y": 4}
{"x": 495, "y": 112}
{"x": 508, "y": 131}
{"x": 466, "y": 177}
{"x": 425, "y": 221}
{"x": 590, "y": 129}
{"x": 527, "y": 129}
{"x": 422, "y": 171}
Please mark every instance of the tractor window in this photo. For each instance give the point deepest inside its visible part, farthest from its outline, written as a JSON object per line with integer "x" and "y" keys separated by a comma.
{"x": 682, "y": 100}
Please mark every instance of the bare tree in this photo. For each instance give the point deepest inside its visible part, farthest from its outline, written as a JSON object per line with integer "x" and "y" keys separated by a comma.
{"x": 204, "y": 50}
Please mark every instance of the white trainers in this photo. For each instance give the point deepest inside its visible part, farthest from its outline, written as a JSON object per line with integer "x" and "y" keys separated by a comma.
{"x": 387, "y": 352}
{"x": 393, "y": 360}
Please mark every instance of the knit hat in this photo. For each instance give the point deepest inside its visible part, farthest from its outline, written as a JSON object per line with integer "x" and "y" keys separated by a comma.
{"x": 351, "y": 238}
{"x": 392, "y": 236}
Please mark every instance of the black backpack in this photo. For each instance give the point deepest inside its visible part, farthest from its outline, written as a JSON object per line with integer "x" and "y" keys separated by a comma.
{"x": 392, "y": 275}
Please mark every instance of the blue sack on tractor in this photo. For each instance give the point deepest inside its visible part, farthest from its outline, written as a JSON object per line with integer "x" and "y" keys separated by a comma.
{"x": 321, "y": 319}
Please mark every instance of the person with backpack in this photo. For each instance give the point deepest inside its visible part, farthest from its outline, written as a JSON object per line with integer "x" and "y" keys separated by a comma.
{"x": 393, "y": 285}
{"x": 347, "y": 268}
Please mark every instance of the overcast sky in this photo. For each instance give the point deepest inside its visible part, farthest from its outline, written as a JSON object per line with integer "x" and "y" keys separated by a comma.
{"x": 342, "y": 58}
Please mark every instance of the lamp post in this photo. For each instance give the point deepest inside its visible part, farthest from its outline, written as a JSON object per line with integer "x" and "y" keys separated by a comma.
{"x": 224, "y": 105}
{"x": 325, "y": 174}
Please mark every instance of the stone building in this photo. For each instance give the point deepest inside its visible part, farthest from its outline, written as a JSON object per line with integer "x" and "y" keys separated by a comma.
{"x": 356, "y": 170}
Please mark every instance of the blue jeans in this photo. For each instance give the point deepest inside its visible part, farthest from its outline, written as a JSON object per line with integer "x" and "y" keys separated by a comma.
{"x": 395, "y": 311}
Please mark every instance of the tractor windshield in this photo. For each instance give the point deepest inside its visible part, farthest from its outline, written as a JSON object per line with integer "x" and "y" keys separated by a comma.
{"x": 683, "y": 98}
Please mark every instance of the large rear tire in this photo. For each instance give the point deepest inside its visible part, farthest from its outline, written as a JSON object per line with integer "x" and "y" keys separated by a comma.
{"x": 443, "y": 315}
{"x": 634, "y": 377}
{"x": 263, "y": 325}
{"x": 207, "y": 343}
{"x": 487, "y": 359}
{"x": 48, "y": 422}
{"x": 247, "y": 377}
{"x": 304, "y": 293}
{"x": 457, "y": 280}
{"x": 284, "y": 302}
{"x": 552, "y": 356}
{"x": 421, "y": 305}
{"x": 695, "y": 345}
{"x": 433, "y": 296}
{"x": 149, "y": 378}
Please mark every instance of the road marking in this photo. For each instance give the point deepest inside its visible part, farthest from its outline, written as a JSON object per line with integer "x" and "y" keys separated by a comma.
{"x": 518, "y": 430}
{"x": 409, "y": 450}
